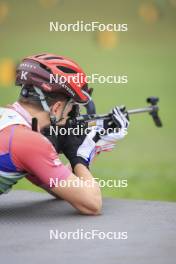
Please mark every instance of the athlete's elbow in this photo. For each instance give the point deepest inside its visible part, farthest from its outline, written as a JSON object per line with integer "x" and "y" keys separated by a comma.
{"x": 92, "y": 205}
{"x": 97, "y": 205}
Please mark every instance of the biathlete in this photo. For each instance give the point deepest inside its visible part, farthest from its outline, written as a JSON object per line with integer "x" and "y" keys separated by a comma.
{"x": 27, "y": 153}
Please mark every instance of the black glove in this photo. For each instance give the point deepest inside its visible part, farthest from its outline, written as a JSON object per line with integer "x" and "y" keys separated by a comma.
{"x": 79, "y": 149}
{"x": 69, "y": 145}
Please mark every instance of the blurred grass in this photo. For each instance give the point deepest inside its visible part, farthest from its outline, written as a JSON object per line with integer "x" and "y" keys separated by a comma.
{"x": 147, "y": 157}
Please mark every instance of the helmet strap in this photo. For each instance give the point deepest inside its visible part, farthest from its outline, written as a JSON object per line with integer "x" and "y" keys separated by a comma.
{"x": 46, "y": 108}
{"x": 57, "y": 120}
{"x": 53, "y": 119}
{"x": 42, "y": 99}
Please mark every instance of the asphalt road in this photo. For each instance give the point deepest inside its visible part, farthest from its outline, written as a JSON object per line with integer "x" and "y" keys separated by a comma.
{"x": 34, "y": 228}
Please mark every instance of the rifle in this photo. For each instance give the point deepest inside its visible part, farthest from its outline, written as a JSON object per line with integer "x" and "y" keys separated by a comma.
{"x": 105, "y": 121}
{"x": 89, "y": 120}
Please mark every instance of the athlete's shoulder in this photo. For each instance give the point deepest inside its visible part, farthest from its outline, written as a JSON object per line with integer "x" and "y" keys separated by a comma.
{"x": 33, "y": 153}
{"x": 27, "y": 138}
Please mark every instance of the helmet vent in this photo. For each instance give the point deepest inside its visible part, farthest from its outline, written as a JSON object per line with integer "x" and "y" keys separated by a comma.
{"x": 45, "y": 68}
{"x": 65, "y": 69}
{"x": 40, "y": 55}
{"x": 53, "y": 58}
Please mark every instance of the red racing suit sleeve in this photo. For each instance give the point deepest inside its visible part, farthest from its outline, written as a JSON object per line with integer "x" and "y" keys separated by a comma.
{"x": 33, "y": 153}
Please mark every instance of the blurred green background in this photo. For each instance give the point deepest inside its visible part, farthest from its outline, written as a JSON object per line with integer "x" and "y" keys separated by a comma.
{"x": 146, "y": 53}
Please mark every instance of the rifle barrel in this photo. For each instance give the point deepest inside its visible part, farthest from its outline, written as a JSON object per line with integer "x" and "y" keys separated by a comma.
{"x": 143, "y": 110}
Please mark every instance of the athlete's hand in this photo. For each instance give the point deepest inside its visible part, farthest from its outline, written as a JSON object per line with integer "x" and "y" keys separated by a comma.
{"x": 80, "y": 149}
{"x": 120, "y": 123}
{"x": 120, "y": 117}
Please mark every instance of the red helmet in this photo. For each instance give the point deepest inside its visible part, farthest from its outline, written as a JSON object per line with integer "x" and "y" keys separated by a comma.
{"x": 37, "y": 71}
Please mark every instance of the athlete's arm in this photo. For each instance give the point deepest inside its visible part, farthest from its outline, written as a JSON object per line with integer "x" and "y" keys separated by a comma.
{"x": 33, "y": 153}
{"x": 86, "y": 198}
{"x": 80, "y": 150}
